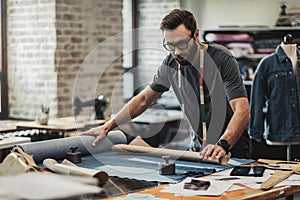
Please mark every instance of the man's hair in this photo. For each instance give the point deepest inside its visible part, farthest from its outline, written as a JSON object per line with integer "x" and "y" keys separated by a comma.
{"x": 177, "y": 17}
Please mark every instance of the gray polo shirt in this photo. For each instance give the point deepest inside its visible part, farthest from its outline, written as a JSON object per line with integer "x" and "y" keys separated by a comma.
{"x": 222, "y": 83}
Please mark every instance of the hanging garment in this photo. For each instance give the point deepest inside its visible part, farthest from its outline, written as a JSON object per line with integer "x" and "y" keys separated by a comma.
{"x": 275, "y": 89}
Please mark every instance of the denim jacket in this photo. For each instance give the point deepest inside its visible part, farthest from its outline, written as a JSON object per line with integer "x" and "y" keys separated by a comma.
{"x": 276, "y": 90}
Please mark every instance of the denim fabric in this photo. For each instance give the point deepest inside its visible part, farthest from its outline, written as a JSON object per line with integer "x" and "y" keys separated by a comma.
{"x": 57, "y": 148}
{"x": 141, "y": 166}
{"x": 276, "y": 88}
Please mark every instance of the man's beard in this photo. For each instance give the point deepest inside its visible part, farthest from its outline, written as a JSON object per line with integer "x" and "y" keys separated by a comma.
{"x": 186, "y": 59}
{"x": 182, "y": 61}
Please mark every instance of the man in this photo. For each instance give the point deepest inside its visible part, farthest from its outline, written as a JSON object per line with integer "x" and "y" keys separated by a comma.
{"x": 181, "y": 70}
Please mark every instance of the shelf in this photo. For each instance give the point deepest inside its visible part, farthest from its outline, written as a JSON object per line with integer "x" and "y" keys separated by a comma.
{"x": 251, "y": 43}
{"x": 257, "y": 33}
{"x": 254, "y": 30}
{"x": 255, "y": 56}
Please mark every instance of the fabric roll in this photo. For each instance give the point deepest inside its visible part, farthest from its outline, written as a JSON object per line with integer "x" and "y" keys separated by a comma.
{"x": 57, "y": 148}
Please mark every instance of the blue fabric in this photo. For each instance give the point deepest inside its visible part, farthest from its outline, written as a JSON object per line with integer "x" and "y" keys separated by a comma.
{"x": 58, "y": 148}
{"x": 137, "y": 166}
{"x": 277, "y": 89}
{"x": 124, "y": 165}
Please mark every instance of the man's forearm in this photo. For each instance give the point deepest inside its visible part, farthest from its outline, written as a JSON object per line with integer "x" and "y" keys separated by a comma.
{"x": 133, "y": 108}
{"x": 237, "y": 124}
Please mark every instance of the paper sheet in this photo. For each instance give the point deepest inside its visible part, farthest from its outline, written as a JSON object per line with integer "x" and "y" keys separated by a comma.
{"x": 215, "y": 188}
{"x": 137, "y": 196}
{"x": 41, "y": 186}
{"x": 249, "y": 181}
{"x": 292, "y": 180}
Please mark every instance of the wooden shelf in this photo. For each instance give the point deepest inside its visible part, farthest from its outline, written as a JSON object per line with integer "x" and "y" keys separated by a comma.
{"x": 256, "y": 32}
{"x": 262, "y": 40}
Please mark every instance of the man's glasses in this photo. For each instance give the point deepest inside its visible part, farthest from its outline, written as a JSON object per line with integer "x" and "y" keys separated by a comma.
{"x": 182, "y": 44}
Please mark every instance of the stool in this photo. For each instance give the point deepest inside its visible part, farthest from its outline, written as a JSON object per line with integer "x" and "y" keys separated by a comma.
{"x": 288, "y": 147}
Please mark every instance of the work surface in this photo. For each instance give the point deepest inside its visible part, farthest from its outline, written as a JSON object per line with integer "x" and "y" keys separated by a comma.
{"x": 62, "y": 124}
{"x": 239, "y": 190}
{"x": 139, "y": 167}
{"x": 143, "y": 167}
{"x": 244, "y": 194}
{"x": 139, "y": 174}
{"x": 244, "y": 188}
{"x": 125, "y": 168}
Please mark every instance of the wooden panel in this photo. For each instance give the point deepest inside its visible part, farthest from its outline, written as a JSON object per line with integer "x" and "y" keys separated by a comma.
{"x": 244, "y": 194}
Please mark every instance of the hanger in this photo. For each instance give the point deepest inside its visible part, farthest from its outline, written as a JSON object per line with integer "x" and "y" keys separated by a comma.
{"x": 288, "y": 39}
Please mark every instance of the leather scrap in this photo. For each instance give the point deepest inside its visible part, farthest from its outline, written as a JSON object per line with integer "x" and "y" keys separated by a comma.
{"x": 276, "y": 178}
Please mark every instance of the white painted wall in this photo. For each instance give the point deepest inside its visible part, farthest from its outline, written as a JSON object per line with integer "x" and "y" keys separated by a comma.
{"x": 211, "y": 14}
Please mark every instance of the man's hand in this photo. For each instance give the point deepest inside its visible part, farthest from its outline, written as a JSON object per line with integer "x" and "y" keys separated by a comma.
{"x": 98, "y": 132}
{"x": 211, "y": 152}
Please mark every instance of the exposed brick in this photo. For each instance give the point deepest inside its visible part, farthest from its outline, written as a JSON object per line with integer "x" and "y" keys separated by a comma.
{"x": 75, "y": 54}
{"x": 76, "y": 40}
{"x": 62, "y": 54}
{"x": 68, "y": 47}
{"x": 69, "y": 32}
{"x": 150, "y": 14}
{"x": 67, "y": 17}
{"x": 76, "y": 25}
{"x": 54, "y": 37}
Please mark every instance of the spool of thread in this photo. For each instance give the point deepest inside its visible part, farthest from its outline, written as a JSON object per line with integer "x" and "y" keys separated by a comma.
{"x": 166, "y": 168}
{"x": 74, "y": 155}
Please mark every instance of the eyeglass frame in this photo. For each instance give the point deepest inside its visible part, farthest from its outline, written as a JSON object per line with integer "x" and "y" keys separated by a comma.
{"x": 176, "y": 44}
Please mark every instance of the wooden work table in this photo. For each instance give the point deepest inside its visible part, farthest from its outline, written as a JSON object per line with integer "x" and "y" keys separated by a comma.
{"x": 64, "y": 124}
{"x": 244, "y": 194}
{"x": 247, "y": 193}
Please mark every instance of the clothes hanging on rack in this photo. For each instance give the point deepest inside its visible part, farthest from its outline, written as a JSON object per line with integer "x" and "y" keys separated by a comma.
{"x": 275, "y": 98}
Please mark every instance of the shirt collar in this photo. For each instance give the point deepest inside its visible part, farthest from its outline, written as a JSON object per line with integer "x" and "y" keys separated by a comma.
{"x": 281, "y": 54}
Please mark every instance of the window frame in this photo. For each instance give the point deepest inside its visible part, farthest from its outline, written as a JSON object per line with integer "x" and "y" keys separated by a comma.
{"x": 3, "y": 68}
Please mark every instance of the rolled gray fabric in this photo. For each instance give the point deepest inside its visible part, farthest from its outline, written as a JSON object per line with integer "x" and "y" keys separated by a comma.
{"x": 57, "y": 148}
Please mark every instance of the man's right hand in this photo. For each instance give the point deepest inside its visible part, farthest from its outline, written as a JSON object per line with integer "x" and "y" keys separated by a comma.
{"x": 98, "y": 132}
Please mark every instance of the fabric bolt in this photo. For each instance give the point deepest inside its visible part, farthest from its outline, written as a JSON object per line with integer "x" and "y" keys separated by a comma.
{"x": 275, "y": 89}
{"x": 57, "y": 148}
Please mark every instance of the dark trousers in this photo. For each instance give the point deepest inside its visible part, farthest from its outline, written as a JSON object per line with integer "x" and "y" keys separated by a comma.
{"x": 242, "y": 148}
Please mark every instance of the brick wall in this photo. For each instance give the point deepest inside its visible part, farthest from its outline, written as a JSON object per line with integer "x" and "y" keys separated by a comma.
{"x": 89, "y": 47}
{"x": 151, "y": 51}
{"x": 31, "y": 45}
{"x": 58, "y": 49}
